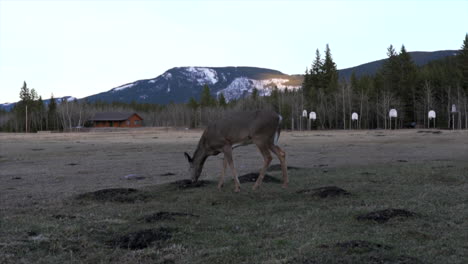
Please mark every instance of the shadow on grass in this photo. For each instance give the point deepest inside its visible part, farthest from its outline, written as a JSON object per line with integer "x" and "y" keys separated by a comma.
{"x": 188, "y": 184}
{"x": 277, "y": 167}
{"x": 253, "y": 176}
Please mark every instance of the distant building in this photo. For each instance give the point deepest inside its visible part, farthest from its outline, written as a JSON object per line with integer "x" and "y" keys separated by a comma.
{"x": 117, "y": 119}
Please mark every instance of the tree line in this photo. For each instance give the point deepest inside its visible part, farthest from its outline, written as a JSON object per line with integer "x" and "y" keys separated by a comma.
{"x": 398, "y": 84}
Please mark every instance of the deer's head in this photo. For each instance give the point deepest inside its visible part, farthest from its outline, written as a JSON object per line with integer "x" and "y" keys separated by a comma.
{"x": 194, "y": 172}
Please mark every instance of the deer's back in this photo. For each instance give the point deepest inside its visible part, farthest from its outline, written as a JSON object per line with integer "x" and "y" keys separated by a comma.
{"x": 244, "y": 126}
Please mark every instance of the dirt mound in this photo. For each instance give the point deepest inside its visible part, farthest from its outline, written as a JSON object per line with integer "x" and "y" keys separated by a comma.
{"x": 360, "y": 246}
{"x": 141, "y": 239}
{"x": 383, "y": 216}
{"x": 121, "y": 195}
{"x": 188, "y": 184}
{"x": 160, "y": 216}
{"x": 324, "y": 192}
{"x": 253, "y": 176}
{"x": 277, "y": 167}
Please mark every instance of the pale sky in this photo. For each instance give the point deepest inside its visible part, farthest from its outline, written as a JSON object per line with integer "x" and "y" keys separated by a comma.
{"x": 80, "y": 48}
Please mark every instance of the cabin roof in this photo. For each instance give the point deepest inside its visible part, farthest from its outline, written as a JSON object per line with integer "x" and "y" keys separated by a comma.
{"x": 113, "y": 116}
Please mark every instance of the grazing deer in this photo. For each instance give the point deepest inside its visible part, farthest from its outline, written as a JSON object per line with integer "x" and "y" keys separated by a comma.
{"x": 261, "y": 128}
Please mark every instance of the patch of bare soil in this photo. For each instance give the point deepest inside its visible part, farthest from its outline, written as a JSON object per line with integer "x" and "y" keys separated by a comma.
{"x": 371, "y": 259}
{"x": 358, "y": 251}
{"x": 121, "y": 195}
{"x": 141, "y": 239}
{"x": 167, "y": 174}
{"x": 277, "y": 167}
{"x": 188, "y": 184}
{"x": 430, "y": 132}
{"x": 160, "y": 216}
{"x": 253, "y": 176}
{"x": 360, "y": 246}
{"x": 324, "y": 192}
{"x": 63, "y": 217}
{"x": 394, "y": 260}
{"x": 383, "y": 216}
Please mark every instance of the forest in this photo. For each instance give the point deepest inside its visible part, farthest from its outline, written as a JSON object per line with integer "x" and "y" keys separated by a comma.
{"x": 440, "y": 86}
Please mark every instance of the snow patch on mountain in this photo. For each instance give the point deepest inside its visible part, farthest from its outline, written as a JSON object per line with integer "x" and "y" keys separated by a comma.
{"x": 65, "y": 99}
{"x": 242, "y": 86}
{"x": 201, "y": 75}
{"x": 236, "y": 88}
{"x": 167, "y": 75}
{"x": 123, "y": 87}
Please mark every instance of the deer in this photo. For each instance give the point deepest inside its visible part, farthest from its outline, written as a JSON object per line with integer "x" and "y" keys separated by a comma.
{"x": 261, "y": 128}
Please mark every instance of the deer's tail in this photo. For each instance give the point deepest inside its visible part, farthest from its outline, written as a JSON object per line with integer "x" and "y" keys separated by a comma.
{"x": 278, "y": 130}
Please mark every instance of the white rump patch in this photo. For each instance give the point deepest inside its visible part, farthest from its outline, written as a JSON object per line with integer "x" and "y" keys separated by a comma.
{"x": 275, "y": 141}
{"x": 280, "y": 118}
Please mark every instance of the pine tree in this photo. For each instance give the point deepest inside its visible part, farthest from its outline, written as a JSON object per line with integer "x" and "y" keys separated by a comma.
{"x": 222, "y": 100}
{"x": 52, "y": 114}
{"x": 254, "y": 94}
{"x": 390, "y": 71}
{"x": 274, "y": 99}
{"x": 407, "y": 85}
{"x": 40, "y": 113}
{"x": 330, "y": 72}
{"x": 25, "y": 94}
{"x": 307, "y": 88}
{"x": 206, "y": 99}
{"x": 463, "y": 64}
{"x": 316, "y": 73}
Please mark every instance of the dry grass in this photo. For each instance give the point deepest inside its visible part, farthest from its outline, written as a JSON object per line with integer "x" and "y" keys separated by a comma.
{"x": 45, "y": 219}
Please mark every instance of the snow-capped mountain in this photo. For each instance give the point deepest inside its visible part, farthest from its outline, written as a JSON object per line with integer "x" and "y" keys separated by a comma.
{"x": 179, "y": 84}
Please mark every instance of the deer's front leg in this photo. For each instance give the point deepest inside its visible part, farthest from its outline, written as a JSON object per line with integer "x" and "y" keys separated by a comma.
{"x": 223, "y": 172}
{"x": 228, "y": 156}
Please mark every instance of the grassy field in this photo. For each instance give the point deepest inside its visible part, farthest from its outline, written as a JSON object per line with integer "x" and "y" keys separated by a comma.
{"x": 177, "y": 223}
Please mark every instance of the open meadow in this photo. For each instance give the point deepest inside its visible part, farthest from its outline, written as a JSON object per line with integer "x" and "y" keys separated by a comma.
{"x": 355, "y": 196}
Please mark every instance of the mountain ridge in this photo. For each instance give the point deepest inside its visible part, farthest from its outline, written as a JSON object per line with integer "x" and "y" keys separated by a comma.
{"x": 179, "y": 84}
{"x": 420, "y": 58}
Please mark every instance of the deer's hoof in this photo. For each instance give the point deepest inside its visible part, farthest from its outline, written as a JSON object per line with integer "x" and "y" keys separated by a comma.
{"x": 284, "y": 186}
{"x": 237, "y": 190}
{"x": 255, "y": 187}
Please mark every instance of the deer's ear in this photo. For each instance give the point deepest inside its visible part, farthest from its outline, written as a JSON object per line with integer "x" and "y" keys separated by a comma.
{"x": 187, "y": 156}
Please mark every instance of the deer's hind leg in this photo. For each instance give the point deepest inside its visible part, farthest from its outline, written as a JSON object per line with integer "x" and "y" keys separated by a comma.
{"x": 282, "y": 158}
{"x": 223, "y": 173}
{"x": 267, "y": 159}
